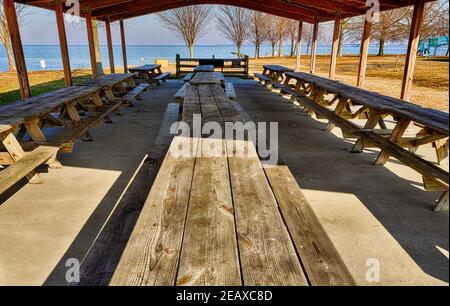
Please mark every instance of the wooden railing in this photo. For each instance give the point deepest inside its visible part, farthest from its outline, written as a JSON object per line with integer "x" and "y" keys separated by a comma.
{"x": 229, "y": 66}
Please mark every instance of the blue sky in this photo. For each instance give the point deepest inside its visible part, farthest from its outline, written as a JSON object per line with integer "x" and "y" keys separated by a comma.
{"x": 40, "y": 29}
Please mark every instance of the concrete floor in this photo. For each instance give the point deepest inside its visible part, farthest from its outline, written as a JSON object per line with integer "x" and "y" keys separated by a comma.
{"x": 371, "y": 213}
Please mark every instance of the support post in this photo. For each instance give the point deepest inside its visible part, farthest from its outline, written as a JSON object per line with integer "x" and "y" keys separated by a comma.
{"x": 299, "y": 45}
{"x": 110, "y": 45}
{"x": 90, "y": 33}
{"x": 335, "y": 46}
{"x": 124, "y": 46}
{"x": 314, "y": 45}
{"x": 19, "y": 57}
{"x": 364, "y": 52}
{"x": 63, "y": 43}
{"x": 413, "y": 44}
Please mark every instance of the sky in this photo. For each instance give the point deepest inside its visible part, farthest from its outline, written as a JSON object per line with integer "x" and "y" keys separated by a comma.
{"x": 40, "y": 29}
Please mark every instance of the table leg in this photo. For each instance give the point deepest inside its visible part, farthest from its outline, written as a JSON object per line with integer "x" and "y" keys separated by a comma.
{"x": 75, "y": 117}
{"x": 371, "y": 123}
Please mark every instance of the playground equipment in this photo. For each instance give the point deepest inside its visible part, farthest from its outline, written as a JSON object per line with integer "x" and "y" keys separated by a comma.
{"x": 433, "y": 42}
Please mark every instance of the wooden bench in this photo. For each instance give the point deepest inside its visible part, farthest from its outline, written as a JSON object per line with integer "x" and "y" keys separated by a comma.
{"x": 275, "y": 72}
{"x": 25, "y": 167}
{"x": 188, "y": 77}
{"x": 265, "y": 80}
{"x": 181, "y": 93}
{"x": 135, "y": 93}
{"x": 313, "y": 102}
{"x": 229, "y": 90}
{"x": 238, "y": 205}
{"x": 161, "y": 77}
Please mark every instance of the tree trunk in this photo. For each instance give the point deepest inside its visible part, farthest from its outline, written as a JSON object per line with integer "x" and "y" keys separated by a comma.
{"x": 381, "y": 48}
{"x": 191, "y": 51}
{"x": 307, "y": 48}
{"x": 238, "y": 51}
{"x": 98, "y": 53}
{"x": 257, "y": 47}
{"x": 292, "y": 47}
{"x": 341, "y": 40}
{"x": 273, "y": 49}
{"x": 280, "y": 47}
{"x": 11, "y": 63}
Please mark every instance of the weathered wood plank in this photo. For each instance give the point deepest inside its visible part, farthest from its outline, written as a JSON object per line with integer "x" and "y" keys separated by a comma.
{"x": 22, "y": 167}
{"x": 152, "y": 253}
{"x": 209, "y": 254}
{"x": 99, "y": 264}
{"x": 267, "y": 254}
{"x": 322, "y": 263}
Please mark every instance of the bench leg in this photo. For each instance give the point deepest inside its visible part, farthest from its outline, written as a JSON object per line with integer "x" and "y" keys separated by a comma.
{"x": 15, "y": 150}
{"x": 441, "y": 147}
{"x": 75, "y": 117}
{"x": 442, "y": 203}
{"x": 54, "y": 163}
{"x": 397, "y": 133}
{"x": 339, "y": 107}
{"x": 370, "y": 125}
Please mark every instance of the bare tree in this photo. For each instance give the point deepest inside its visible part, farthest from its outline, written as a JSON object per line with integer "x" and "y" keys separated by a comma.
{"x": 271, "y": 32}
{"x": 280, "y": 24}
{"x": 435, "y": 22}
{"x": 5, "y": 38}
{"x": 234, "y": 24}
{"x": 258, "y": 32}
{"x": 350, "y": 28}
{"x": 307, "y": 34}
{"x": 292, "y": 31}
{"x": 389, "y": 27}
{"x": 189, "y": 23}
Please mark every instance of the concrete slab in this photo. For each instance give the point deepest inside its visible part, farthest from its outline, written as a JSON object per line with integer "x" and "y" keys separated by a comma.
{"x": 371, "y": 213}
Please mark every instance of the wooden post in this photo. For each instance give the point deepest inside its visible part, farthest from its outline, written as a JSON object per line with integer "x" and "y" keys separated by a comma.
{"x": 63, "y": 43}
{"x": 110, "y": 45}
{"x": 413, "y": 44}
{"x": 314, "y": 45}
{"x": 19, "y": 57}
{"x": 335, "y": 46}
{"x": 299, "y": 45}
{"x": 364, "y": 52}
{"x": 90, "y": 33}
{"x": 124, "y": 46}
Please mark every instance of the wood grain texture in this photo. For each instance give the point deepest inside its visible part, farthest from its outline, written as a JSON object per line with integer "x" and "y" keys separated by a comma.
{"x": 209, "y": 255}
{"x": 322, "y": 263}
{"x": 152, "y": 253}
{"x": 266, "y": 251}
{"x": 99, "y": 264}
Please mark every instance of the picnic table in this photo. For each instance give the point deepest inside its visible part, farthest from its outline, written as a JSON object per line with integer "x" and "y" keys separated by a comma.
{"x": 204, "y": 68}
{"x": 217, "y": 218}
{"x": 110, "y": 82}
{"x": 340, "y": 103}
{"x": 208, "y": 78}
{"x": 275, "y": 72}
{"x": 151, "y": 73}
{"x": 22, "y": 123}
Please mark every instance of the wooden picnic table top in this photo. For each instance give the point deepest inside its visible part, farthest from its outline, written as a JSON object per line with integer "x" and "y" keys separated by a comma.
{"x": 109, "y": 80}
{"x": 208, "y": 78}
{"x": 277, "y": 68}
{"x": 204, "y": 68}
{"x": 221, "y": 213}
{"x": 145, "y": 68}
{"x": 16, "y": 112}
{"x": 431, "y": 118}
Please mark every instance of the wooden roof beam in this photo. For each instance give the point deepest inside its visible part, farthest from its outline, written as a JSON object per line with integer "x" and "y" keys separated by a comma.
{"x": 327, "y": 5}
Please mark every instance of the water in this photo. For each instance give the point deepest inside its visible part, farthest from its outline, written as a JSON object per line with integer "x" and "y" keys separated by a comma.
{"x": 79, "y": 55}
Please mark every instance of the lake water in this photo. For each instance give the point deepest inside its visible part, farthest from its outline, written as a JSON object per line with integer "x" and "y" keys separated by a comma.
{"x": 137, "y": 55}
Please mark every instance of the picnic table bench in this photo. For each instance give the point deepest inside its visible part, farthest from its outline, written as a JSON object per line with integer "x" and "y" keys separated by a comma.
{"x": 339, "y": 103}
{"x": 150, "y": 73}
{"x": 216, "y": 218}
{"x": 25, "y": 146}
